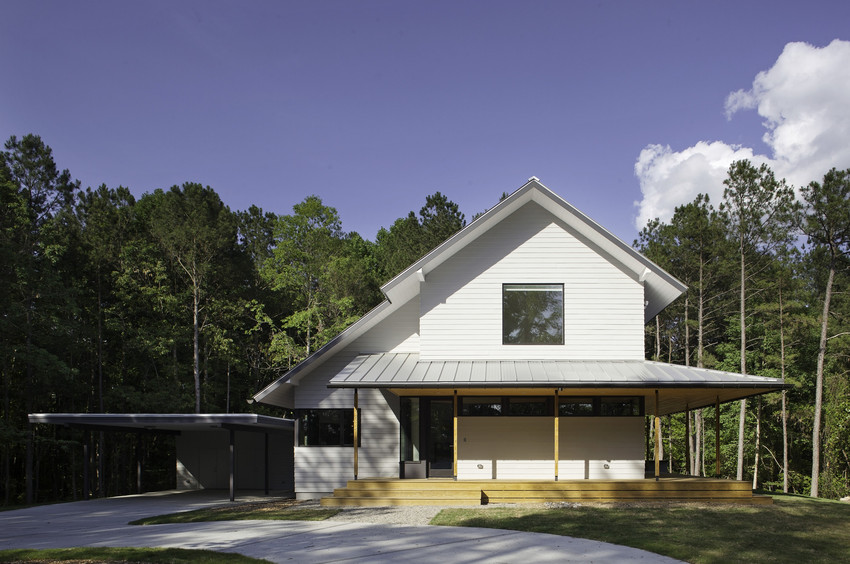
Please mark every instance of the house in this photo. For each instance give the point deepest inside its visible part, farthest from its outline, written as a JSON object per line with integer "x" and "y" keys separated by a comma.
{"x": 514, "y": 350}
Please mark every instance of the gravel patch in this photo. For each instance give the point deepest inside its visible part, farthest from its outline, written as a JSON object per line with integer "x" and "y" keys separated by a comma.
{"x": 404, "y": 515}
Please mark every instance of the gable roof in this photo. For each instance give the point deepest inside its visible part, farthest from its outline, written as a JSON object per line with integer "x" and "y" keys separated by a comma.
{"x": 660, "y": 288}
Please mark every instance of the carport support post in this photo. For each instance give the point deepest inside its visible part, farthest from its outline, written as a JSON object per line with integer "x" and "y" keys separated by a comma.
{"x": 139, "y": 463}
{"x": 657, "y": 438}
{"x": 29, "y": 464}
{"x": 86, "y": 464}
{"x": 266, "y": 451}
{"x": 232, "y": 464}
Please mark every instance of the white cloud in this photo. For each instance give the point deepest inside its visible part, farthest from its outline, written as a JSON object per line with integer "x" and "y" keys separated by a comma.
{"x": 804, "y": 101}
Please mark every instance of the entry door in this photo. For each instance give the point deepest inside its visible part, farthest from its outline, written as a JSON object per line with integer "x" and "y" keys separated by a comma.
{"x": 440, "y": 437}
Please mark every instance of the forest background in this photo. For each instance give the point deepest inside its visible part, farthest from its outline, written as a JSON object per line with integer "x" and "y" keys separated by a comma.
{"x": 173, "y": 303}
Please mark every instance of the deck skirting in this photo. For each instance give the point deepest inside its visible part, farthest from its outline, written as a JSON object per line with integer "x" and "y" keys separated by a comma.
{"x": 389, "y": 492}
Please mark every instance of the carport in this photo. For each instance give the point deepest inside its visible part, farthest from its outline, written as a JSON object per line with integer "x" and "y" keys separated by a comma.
{"x": 203, "y": 434}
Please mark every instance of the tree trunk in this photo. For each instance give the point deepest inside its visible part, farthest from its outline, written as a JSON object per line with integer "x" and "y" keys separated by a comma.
{"x": 824, "y": 327}
{"x": 758, "y": 445}
{"x": 196, "y": 345}
{"x": 784, "y": 410}
{"x": 743, "y": 416}
{"x": 698, "y": 442}
{"x": 657, "y": 338}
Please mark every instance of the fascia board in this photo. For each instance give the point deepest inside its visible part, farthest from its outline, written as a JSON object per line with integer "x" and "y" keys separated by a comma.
{"x": 661, "y": 287}
{"x": 406, "y": 284}
{"x": 356, "y": 329}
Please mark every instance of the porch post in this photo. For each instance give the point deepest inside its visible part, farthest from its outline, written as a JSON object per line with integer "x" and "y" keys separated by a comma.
{"x": 688, "y": 438}
{"x": 454, "y": 436}
{"x": 717, "y": 437}
{"x": 657, "y": 438}
{"x": 356, "y": 435}
{"x": 557, "y": 438}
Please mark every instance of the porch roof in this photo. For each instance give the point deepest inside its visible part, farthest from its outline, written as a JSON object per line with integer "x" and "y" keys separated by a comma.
{"x": 696, "y": 387}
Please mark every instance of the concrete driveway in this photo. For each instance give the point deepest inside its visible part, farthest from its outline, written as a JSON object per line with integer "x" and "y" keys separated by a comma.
{"x": 103, "y": 522}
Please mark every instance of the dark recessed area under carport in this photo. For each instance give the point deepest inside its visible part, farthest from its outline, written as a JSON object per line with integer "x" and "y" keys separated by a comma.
{"x": 202, "y": 426}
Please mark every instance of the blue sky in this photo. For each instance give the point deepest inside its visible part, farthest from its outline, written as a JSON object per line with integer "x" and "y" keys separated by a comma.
{"x": 625, "y": 109}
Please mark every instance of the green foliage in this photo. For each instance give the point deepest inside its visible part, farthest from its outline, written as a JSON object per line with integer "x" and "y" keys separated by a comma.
{"x": 410, "y": 238}
{"x": 794, "y": 529}
{"x": 120, "y": 554}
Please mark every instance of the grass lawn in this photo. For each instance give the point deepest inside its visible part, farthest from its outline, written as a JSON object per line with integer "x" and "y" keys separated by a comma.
{"x": 286, "y": 510}
{"x": 91, "y": 555}
{"x": 795, "y": 529}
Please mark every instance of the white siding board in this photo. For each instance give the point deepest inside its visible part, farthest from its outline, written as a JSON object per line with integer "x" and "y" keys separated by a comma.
{"x": 399, "y": 332}
{"x": 461, "y": 301}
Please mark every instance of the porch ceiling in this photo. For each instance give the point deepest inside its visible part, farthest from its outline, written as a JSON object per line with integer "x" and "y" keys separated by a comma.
{"x": 679, "y": 387}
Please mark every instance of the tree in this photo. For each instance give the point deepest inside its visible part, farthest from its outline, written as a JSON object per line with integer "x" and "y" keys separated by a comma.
{"x": 698, "y": 259}
{"x": 412, "y": 237}
{"x": 827, "y": 225}
{"x": 760, "y": 212}
{"x": 194, "y": 228}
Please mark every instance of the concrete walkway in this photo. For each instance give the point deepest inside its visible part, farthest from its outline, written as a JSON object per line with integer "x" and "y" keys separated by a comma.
{"x": 103, "y": 522}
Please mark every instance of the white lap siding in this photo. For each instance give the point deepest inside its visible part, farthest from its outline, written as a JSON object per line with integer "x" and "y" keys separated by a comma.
{"x": 461, "y": 300}
{"x": 318, "y": 470}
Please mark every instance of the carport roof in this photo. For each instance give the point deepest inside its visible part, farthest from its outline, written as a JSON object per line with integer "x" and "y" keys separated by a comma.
{"x": 167, "y": 422}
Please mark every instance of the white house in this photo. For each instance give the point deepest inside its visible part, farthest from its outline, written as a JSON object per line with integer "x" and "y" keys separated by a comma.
{"x": 514, "y": 350}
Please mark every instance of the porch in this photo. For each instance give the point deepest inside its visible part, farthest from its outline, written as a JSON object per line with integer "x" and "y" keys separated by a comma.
{"x": 367, "y": 492}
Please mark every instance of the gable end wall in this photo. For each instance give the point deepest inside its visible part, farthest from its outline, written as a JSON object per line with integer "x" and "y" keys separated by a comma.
{"x": 461, "y": 300}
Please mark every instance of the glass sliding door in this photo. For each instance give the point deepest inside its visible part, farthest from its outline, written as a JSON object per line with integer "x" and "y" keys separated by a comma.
{"x": 427, "y": 437}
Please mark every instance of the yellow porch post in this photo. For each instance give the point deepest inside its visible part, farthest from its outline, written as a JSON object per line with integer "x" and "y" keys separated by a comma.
{"x": 557, "y": 438}
{"x": 687, "y": 439}
{"x": 454, "y": 436}
{"x": 356, "y": 434}
{"x": 717, "y": 437}
{"x": 657, "y": 438}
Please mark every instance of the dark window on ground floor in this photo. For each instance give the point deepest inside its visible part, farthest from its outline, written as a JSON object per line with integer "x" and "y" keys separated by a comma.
{"x": 325, "y": 427}
{"x": 600, "y": 406}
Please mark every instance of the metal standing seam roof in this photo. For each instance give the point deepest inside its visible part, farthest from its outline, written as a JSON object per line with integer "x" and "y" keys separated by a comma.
{"x": 400, "y": 370}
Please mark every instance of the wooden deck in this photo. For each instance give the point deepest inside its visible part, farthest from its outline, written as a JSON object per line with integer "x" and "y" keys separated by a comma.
{"x": 435, "y": 491}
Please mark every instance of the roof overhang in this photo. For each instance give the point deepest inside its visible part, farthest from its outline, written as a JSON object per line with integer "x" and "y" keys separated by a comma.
{"x": 679, "y": 387}
{"x": 166, "y": 422}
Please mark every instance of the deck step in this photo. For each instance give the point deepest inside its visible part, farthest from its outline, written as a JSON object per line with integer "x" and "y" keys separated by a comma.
{"x": 371, "y": 492}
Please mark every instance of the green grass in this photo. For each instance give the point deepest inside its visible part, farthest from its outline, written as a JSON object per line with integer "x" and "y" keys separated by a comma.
{"x": 116, "y": 555}
{"x": 287, "y": 510}
{"x": 795, "y": 529}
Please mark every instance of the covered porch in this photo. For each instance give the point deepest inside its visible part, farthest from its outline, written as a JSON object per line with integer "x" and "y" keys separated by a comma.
{"x": 531, "y": 431}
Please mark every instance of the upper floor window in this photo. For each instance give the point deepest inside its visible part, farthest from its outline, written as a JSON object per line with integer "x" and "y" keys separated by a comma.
{"x": 533, "y": 314}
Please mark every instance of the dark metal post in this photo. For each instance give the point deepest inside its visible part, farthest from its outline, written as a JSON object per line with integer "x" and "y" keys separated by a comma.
{"x": 266, "y": 437}
{"x": 86, "y": 461}
{"x": 139, "y": 463}
{"x": 232, "y": 464}
{"x": 29, "y": 464}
